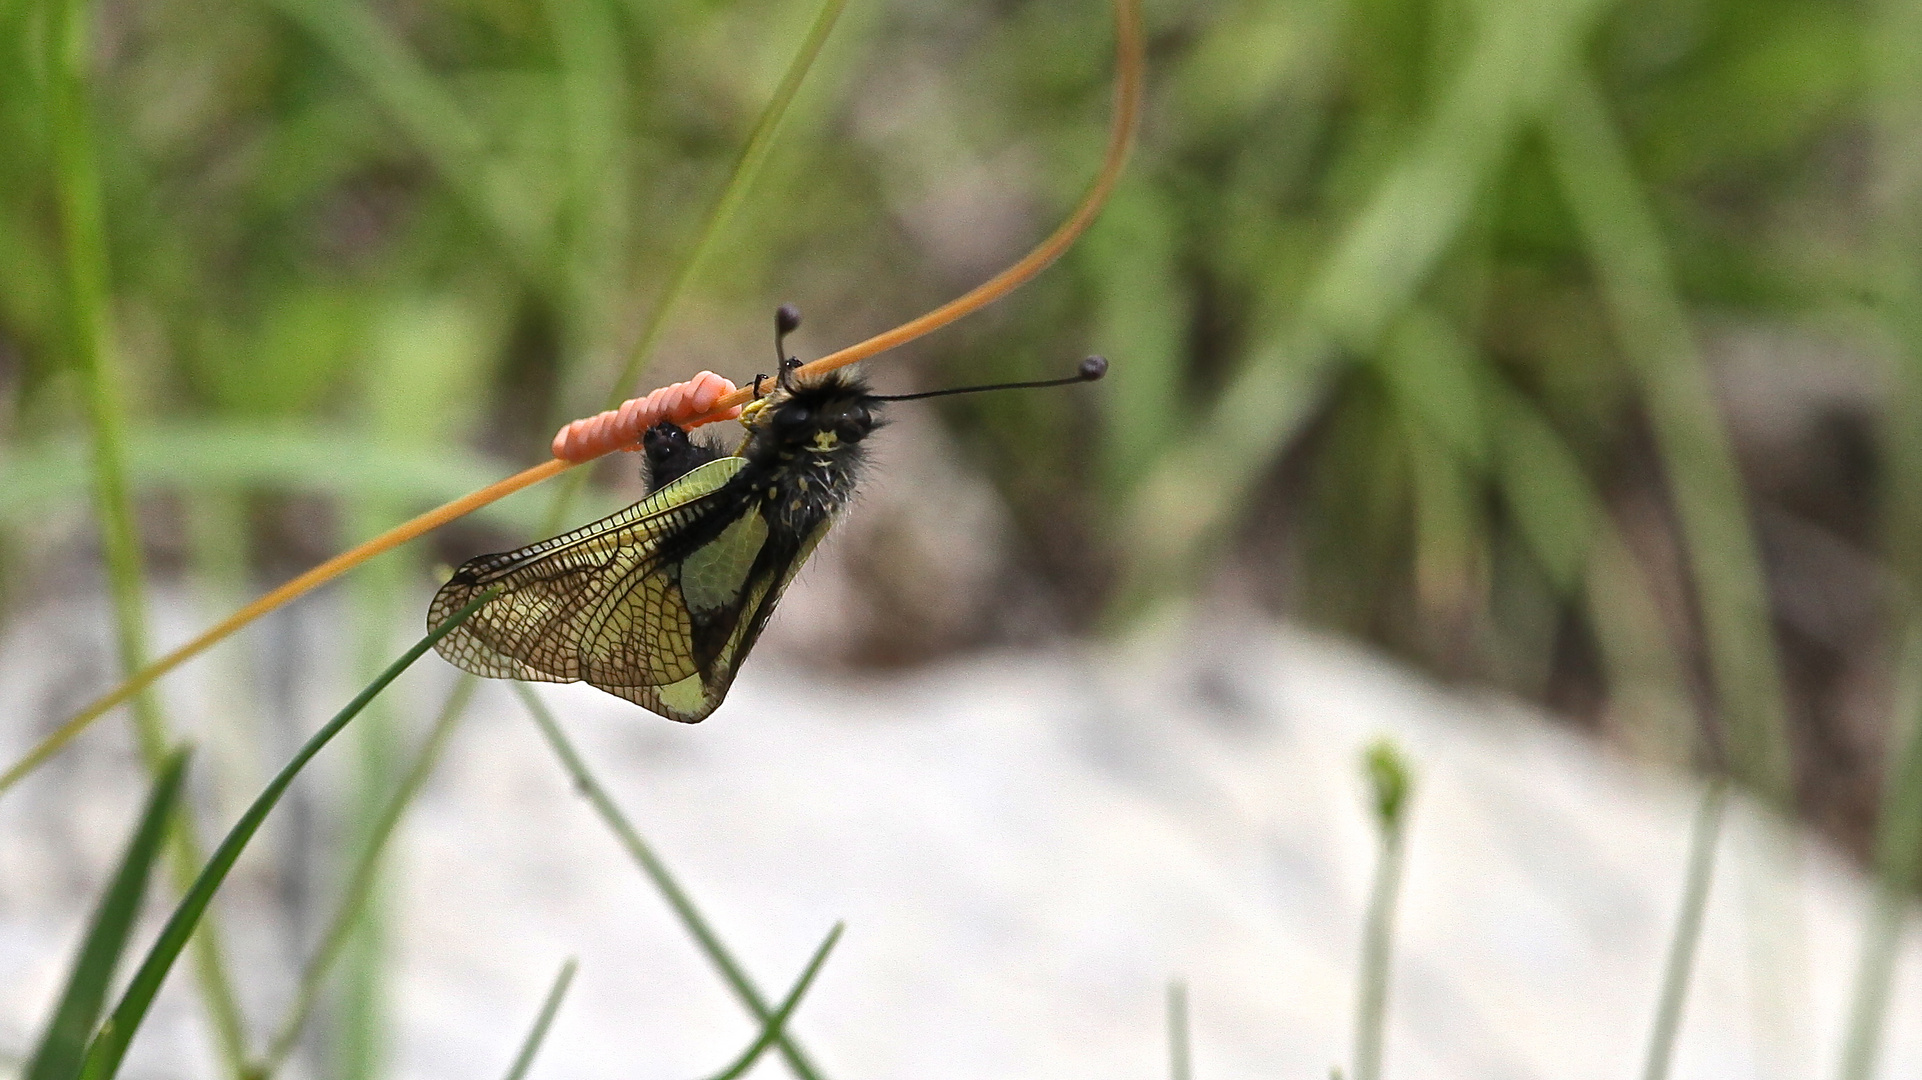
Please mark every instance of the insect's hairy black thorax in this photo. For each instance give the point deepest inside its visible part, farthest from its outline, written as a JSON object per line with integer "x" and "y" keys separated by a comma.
{"x": 804, "y": 450}
{"x": 672, "y": 452}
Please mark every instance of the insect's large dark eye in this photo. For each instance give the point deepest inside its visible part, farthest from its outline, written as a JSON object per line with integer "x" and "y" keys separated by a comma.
{"x": 854, "y": 424}
{"x": 793, "y": 417}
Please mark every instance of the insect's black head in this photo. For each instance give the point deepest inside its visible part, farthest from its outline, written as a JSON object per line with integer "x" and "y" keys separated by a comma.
{"x": 821, "y": 414}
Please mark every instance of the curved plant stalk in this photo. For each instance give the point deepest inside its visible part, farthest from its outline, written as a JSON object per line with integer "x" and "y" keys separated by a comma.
{"x": 360, "y": 884}
{"x": 109, "y": 1047}
{"x": 1129, "y": 63}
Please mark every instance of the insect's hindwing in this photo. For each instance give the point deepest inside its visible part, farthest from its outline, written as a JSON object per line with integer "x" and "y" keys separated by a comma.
{"x": 596, "y": 604}
{"x": 740, "y": 622}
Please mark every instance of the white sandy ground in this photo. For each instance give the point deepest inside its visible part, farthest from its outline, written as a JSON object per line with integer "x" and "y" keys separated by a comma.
{"x": 1025, "y": 850}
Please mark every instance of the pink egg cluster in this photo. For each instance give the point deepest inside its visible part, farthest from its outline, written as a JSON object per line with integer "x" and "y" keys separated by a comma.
{"x": 684, "y": 403}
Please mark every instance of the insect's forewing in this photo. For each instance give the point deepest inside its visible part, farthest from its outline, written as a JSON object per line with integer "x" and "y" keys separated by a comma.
{"x": 597, "y": 604}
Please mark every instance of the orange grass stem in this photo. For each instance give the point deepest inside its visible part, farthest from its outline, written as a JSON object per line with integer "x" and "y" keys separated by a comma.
{"x": 1129, "y": 64}
{"x": 319, "y": 575}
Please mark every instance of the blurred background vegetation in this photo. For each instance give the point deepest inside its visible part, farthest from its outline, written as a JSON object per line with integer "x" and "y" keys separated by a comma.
{"x": 1560, "y": 346}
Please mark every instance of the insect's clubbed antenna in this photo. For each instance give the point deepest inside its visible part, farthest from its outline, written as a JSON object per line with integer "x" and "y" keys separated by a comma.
{"x": 787, "y": 319}
{"x": 1092, "y": 368}
{"x": 705, "y": 399}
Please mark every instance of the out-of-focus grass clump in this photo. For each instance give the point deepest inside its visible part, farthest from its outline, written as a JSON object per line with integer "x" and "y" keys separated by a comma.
{"x": 1432, "y": 319}
{"x": 1560, "y": 344}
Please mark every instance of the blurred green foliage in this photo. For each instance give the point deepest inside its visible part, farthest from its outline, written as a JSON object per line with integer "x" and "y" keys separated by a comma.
{"x": 1409, "y": 300}
{"x": 1433, "y": 320}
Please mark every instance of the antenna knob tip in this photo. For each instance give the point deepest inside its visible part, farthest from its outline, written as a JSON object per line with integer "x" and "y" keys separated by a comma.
{"x": 787, "y": 319}
{"x": 1093, "y": 368}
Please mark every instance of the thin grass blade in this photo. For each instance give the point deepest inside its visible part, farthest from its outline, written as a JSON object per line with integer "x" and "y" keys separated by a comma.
{"x": 110, "y": 1045}
{"x": 771, "y": 1031}
{"x": 746, "y": 167}
{"x": 1625, "y": 243}
{"x": 1375, "y": 270}
{"x": 1390, "y": 781}
{"x": 1898, "y": 856}
{"x": 63, "y": 1046}
{"x": 538, "y": 1033}
{"x": 1180, "y": 1056}
{"x": 1688, "y": 932}
{"x": 657, "y": 872}
{"x": 1623, "y": 240}
{"x": 360, "y": 884}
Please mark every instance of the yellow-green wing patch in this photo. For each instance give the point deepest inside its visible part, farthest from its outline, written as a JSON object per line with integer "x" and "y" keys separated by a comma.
{"x": 713, "y": 575}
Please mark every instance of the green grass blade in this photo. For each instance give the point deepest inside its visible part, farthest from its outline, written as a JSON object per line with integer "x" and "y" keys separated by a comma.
{"x": 83, "y": 228}
{"x": 771, "y": 1031}
{"x": 759, "y": 142}
{"x": 746, "y": 168}
{"x": 1624, "y": 241}
{"x": 1378, "y": 265}
{"x": 64, "y": 1044}
{"x": 110, "y": 1045}
{"x": 538, "y": 1033}
{"x": 1894, "y": 44}
{"x": 444, "y": 133}
{"x": 87, "y": 280}
{"x": 1898, "y": 856}
{"x": 1688, "y": 931}
{"x": 1180, "y": 1056}
{"x": 360, "y": 883}
{"x": 1390, "y": 782}
{"x": 657, "y": 872}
